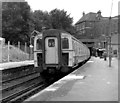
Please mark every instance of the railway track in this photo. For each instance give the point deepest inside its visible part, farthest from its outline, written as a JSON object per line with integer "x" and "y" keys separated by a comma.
{"x": 21, "y": 95}
{"x": 20, "y": 88}
{"x": 16, "y": 87}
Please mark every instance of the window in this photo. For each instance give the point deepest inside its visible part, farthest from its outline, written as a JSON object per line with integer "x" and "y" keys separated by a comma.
{"x": 65, "y": 43}
{"x": 51, "y": 42}
{"x": 83, "y": 31}
{"x": 39, "y": 44}
{"x": 73, "y": 45}
{"x": 83, "y": 25}
{"x": 115, "y": 52}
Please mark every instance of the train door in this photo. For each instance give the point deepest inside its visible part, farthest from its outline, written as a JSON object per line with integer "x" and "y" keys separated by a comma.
{"x": 51, "y": 50}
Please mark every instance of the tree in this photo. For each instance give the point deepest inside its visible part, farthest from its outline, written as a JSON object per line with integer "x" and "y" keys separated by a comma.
{"x": 15, "y": 21}
{"x": 60, "y": 19}
{"x": 41, "y": 19}
{"x": 56, "y": 19}
{"x": 119, "y": 25}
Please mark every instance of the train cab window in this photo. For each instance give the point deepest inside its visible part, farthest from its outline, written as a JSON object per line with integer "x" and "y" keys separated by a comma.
{"x": 65, "y": 43}
{"x": 39, "y": 44}
{"x": 51, "y": 43}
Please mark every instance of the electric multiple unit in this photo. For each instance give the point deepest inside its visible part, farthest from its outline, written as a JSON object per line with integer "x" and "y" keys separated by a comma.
{"x": 56, "y": 50}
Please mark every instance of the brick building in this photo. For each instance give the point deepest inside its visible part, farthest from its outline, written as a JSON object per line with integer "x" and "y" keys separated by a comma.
{"x": 94, "y": 30}
{"x": 87, "y": 28}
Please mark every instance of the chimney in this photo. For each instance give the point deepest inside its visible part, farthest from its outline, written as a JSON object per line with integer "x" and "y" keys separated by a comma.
{"x": 99, "y": 13}
{"x": 83, "y": 13}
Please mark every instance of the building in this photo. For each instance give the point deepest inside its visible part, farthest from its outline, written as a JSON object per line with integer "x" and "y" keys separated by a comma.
{"x": 109, "y": 34}
{"x": 114, "y": 44}
{"x": 87, "y": 28}
{"x": 94, "y": 30}
{"x": 0, "y": 19}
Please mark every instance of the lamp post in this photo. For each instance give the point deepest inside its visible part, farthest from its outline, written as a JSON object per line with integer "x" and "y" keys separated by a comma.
{"x": 110, "y": 51}
{"x": 110, "y": 48}
{"x": 108, "y": 45}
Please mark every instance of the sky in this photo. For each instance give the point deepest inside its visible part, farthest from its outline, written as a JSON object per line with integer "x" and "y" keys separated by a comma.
{"x": 76, "y": 7}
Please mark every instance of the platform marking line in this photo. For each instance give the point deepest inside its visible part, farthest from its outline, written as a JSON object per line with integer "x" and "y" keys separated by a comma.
{"x": 90, "y": 61}
{"x": 74, "y": 71}
{"x": 51, "y": 89}
{"x": 60, "y": 82}
{"x": 72, "y": 77}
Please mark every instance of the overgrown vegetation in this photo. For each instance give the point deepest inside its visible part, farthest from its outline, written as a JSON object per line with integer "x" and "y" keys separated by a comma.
{"x": 18, "y": 21}
{"x": 15, "y": 54}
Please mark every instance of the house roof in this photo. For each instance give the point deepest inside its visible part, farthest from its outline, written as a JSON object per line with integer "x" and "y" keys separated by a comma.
{"x": 91, "y": 16}
{"x": 34, "y": 33}
{"x": 88, "y": 17}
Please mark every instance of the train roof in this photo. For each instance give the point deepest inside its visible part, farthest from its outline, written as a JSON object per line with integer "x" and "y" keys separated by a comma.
{"x": 58, "y": 33}
{"x": 54, "y": 31}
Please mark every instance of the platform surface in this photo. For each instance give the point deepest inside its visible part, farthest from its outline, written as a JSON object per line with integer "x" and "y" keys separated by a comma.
{"x": 8, "y": 65}
{"x": 94, "y": 81}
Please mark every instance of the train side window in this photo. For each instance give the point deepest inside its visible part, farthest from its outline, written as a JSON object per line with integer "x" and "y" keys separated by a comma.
{"x": 39, "y": 44}
{"x": 73, "y": 46}
{"x": 51, "y": 43}
{"x": 65, "y": 43}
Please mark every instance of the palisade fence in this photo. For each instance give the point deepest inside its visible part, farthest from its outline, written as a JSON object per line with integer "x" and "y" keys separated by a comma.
{"x": 18, "y": 52}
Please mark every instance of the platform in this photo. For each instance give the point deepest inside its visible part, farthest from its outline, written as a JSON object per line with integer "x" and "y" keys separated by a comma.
{"x": 8, "y": 65}
{"x": 94, "y": 81}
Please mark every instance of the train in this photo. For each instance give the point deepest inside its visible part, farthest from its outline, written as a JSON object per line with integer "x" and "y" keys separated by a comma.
{"x": 57, "y": 51}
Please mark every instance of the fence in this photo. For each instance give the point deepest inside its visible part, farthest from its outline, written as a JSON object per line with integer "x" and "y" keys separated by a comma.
{"x": 19, "y": 52}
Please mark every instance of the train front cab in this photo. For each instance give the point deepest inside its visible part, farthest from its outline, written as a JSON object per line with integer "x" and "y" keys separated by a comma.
{"x": 51, "y": 51}
{"x": 56, "y": 51}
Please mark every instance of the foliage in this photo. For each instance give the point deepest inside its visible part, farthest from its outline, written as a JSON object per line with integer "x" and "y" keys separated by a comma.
{"x": 55, "y": 19}
{"x": 15, "y": 21}
{"x": 119, "y": 24}
{"x": 60, "y": 20}
{"x": 18, "y": 21}
{"x": 41, "y": 19}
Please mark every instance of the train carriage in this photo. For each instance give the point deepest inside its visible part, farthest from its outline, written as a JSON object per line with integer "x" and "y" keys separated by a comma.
{"x": 56, "y": 50}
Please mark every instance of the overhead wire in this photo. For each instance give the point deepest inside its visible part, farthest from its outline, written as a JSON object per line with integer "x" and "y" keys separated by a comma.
{"x": 111, "y": 8}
